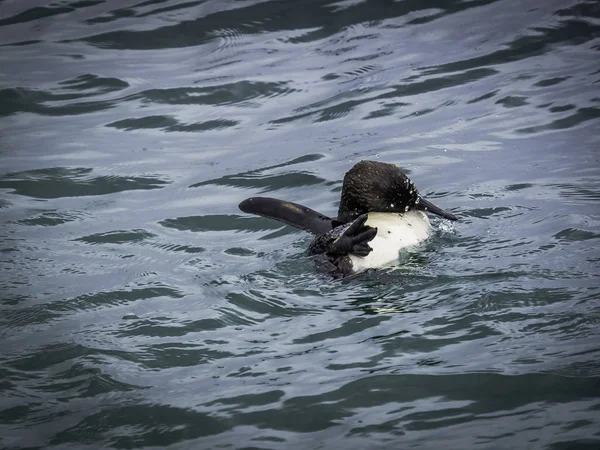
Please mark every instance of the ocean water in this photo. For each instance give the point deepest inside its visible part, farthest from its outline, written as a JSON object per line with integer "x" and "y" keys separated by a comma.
{"x": 139, "y": 308}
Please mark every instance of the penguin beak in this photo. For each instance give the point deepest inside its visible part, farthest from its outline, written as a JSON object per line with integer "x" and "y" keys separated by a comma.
{"x": 426, "y": 205}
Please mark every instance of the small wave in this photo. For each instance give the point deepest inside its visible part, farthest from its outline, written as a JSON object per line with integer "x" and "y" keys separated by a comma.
{"x": 117, "y": 237}
{"x": 170, "y": 124}
{"x": 582, "y": 115}
{"x": 262, "y": 179}
{"x": 220, "y": 222}
{"x": 59, "y": 182}
{"x": 40, "y": 12}
{"x": 55, "y": 218}
{"x": 236, "y": 94}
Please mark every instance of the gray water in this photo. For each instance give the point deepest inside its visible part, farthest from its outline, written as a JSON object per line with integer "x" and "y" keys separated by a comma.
{"x": 140, "y": 308}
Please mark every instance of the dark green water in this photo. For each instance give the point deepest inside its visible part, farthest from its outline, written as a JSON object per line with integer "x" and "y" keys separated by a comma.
{"x": 140, "y": 308}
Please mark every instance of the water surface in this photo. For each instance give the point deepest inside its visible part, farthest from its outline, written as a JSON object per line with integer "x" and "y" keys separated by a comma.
{"x": 141, "y": 308}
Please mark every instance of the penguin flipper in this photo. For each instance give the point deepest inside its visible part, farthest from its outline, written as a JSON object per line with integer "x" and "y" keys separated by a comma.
{"x": 293, "y": 214}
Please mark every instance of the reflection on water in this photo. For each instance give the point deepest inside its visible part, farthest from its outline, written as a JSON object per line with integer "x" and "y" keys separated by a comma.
{"x": 141, "y": 308}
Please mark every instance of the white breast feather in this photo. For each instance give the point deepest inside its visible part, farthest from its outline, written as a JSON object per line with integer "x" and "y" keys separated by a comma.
{"x": 394, "y": 232}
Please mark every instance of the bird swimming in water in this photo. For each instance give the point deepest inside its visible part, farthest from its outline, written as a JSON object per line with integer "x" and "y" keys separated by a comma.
{"x": 380, "y": 213}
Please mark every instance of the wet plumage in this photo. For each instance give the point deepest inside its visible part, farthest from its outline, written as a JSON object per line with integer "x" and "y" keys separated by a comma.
{"x": 380, "y": 213}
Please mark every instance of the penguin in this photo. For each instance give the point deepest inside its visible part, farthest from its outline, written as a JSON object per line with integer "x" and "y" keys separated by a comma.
{"x": 381, "y": 212}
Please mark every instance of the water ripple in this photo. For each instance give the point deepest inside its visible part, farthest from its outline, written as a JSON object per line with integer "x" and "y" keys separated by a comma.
{"x": 68, "y": 182}
{"x": 141, "y": 308}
